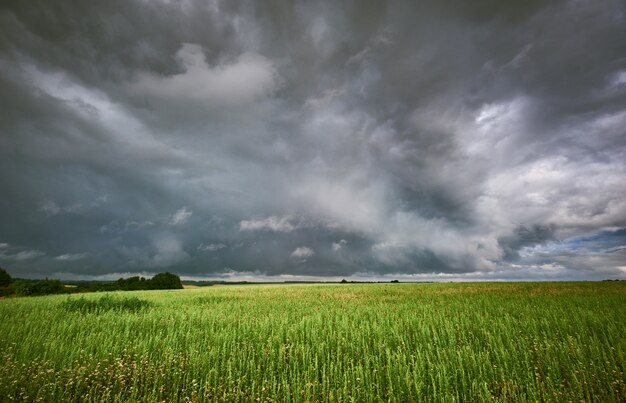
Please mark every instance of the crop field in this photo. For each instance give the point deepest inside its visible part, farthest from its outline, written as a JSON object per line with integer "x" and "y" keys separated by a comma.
{"x": 324, "y": 342}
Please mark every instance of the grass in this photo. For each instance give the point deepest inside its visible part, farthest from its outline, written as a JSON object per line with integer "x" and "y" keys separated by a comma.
{"x": 104, "y": 304}
{"x": 341, "y": 342}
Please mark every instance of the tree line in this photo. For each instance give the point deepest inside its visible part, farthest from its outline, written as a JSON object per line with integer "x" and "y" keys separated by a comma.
{"x": 21, "y": 287}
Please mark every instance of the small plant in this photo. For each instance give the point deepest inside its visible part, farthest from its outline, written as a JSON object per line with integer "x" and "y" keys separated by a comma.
{"x": 104, "y": 304}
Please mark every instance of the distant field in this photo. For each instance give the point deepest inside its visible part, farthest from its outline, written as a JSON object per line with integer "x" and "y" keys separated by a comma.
{"x": 362, "y": 342}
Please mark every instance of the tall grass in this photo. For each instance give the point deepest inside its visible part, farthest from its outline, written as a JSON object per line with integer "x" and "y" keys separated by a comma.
{"x": 103, "y": 304}
{"x": 365, "y": 342}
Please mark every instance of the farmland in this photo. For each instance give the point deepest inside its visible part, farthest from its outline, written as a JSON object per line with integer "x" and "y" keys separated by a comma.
{"x": 323, "y": 342}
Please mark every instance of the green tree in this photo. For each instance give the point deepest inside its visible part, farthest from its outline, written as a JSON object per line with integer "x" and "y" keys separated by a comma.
{"x": 165, "y": 281}
{"x": 131, "y": 284}
{"x": 45, "y": 287}
{"x": 5, "y": 278}
{"x": 20, "y": 287}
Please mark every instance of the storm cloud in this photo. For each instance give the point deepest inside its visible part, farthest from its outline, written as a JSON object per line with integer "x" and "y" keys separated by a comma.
{"x": 313, "y": 140}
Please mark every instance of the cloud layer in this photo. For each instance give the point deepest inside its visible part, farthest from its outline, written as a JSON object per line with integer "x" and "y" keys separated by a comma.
{"x": 428, "y": 140}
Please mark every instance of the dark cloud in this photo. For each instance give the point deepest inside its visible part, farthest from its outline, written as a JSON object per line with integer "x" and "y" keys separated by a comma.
{"x": 524, "y": 237}
{"x": 271, "y": 140}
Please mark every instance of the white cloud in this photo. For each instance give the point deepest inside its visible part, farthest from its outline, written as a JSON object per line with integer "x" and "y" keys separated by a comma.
{"x": 4, "y": 245}
{"x": 555, "y": 190}
{"x": 211, "y": 247}
{"x": 382, "y": 246}
{"x": 338, "y": 245}
{"x": 495, "y": 130}
{"x": 71, "y": 256}
{"x": 272, "y": 223}
{"x": 302, "y": 252}
{"x": 181, "y": 216}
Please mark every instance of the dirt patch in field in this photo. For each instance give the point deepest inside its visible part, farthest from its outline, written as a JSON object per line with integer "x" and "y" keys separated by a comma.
{"x": 190, "y": 286}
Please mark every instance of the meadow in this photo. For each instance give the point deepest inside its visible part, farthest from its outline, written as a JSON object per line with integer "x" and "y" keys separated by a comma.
{"x": 440, "y": 342}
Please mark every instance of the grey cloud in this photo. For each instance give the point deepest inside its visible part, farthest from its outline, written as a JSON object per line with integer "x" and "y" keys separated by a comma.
{"x": 336, "y": 246}
{"x": 418, "y": 139}
{"x": 212, "y": 247}
{"x": 27, "y": 255}
{"x": 22, "y": 255}
{"x": 242, "y": 81}
{"x": 524, "y": 237}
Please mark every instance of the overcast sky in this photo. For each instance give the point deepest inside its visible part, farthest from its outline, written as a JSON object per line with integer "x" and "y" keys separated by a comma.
{"x": 280, "y": 140}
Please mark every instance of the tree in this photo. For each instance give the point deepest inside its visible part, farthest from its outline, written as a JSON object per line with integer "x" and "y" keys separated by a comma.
{"x": 19, "y": 287}
{"x": 45, "y": 287}
{"x": 40, "y": 287}
{"x": 131, "y": 283}
{"x": 165, "y": 281}
{"x": 5, "y": 278}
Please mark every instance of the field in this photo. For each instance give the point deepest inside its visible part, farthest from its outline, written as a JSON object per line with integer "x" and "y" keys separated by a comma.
{"x": 337, "y": 342}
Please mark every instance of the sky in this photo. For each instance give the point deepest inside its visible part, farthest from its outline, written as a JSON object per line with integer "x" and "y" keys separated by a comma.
{"x": 313, "y": 140}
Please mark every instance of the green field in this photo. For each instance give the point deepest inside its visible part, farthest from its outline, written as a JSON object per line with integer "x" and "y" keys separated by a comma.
{"x": 337, "y": 342}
